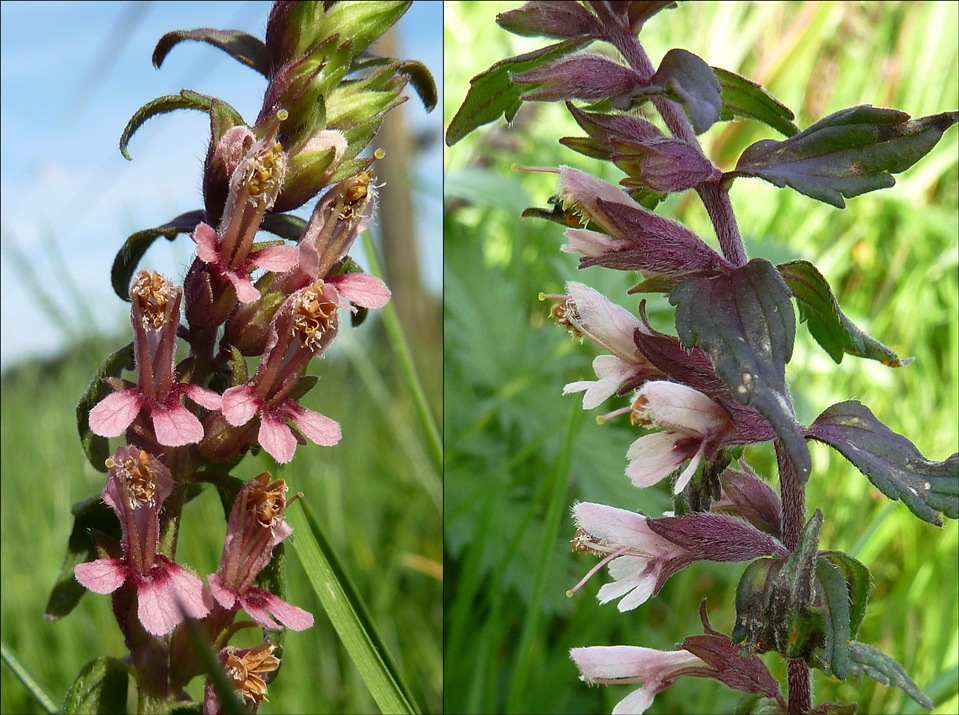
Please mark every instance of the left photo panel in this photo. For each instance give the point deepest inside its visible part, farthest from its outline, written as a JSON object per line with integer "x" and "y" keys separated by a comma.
{"x": 221, "y": 363}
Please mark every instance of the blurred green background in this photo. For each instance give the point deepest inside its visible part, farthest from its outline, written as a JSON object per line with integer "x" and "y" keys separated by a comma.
{"x": 519, "y": 454}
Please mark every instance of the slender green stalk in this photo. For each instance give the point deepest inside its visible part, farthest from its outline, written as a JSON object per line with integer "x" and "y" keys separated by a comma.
{"x": 407, "y": 368}
{"x": 24, "y": 676}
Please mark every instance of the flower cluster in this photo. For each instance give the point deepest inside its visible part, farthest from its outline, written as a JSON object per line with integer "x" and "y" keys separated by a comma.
{"x": 719, "y": 384}
{"x": 241, "y": 300}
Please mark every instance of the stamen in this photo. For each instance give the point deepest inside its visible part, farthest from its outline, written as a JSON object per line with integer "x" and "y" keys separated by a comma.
{"x": 267, "y": 501}
{"x": 312, "y": 316}
{"x": 152, "y": 293}
{"x": 266, "y": 170}
{"x": 597, "y": 567}
{"x": 140, "y": 481}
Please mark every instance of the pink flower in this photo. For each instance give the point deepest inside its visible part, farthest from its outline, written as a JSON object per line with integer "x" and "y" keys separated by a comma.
{"x": 639, "y": 560}
{"x": 589, "y": 313}
{"x": 155, "y": 315}
{"x": 302, "y": 329}
{"x": 255, "y": 526}
{"x": 137, "y": 485}
{"x": 656, "y": 669}
{"x": 210, "y": 250}
{"x": 693, "y": 423}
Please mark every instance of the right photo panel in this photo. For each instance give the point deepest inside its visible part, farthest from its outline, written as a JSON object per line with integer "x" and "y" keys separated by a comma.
{"x": 701, "y": 357}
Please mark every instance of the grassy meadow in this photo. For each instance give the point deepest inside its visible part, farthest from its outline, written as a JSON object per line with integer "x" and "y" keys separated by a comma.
{"x": 518, "y": 454}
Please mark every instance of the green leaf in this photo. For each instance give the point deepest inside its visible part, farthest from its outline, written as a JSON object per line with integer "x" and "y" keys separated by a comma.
{"x": 134, "y": 248}
{"x": 284, "y": 225}
{"x": 244, "y": 48}
{"x": 867, "y": 661}
{"x": 100, "y": 687}
{"x": 820, "y": 310}
{"x": 349, "y": 616}
{"x": 846, "y": 154}
{"x": 744, "y": 98}
{"x": 91, "y": 514}
{"x": 492, "y": 93}
{"x": 97, "y": 448}
{"x": 187, "y": 99}
{"x": 20, "y": 671}
{"x": 744, "y": 320}
{"x": 835, "y": 597}
{"x": 890, "y": 461}
{"x": 858, "y": 585}
{"x": 361, "y": 22}
{"x": 422, "y": 80}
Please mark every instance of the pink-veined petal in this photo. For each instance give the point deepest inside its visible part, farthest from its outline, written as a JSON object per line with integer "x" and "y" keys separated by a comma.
{"x": 224, "y": 596}
{"x": 690, "y": 470}
{"x": 166, "y": 594}
{"x": 652, "y": 458}
{"x": 319, "y": 428}
{"x": 637, "y": 702}
{"x": 363, "y": 290}
{"x": 276, "y": 438}
{"x": 176, "y": 426}
{"x": 275, "y": 258}
{"x": 246, "y": 292}
{"x": 206, "y": 248}
{"x": 203, "y": 397}
{"x": 240, "y": 403}
{"x": 114, "y": 413}
{"x": 256, "y": 601}
{"x": 102, "y": 575}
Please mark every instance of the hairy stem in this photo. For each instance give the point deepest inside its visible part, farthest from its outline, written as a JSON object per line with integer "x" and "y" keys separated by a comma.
{"x": 715, "y": 199}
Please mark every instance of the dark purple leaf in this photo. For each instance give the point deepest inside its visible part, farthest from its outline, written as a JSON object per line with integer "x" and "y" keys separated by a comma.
{"x": 858, "y": 585}
{"x": 654, "y": 244}
{"x": 558, "y": 20}
{"x": 744, "y": 321}
{"x": 717, "y": 537}
{"x": 686, "y": 77}
{"x": 826, "y": 322}
{"x": 867, "y": 661}
{"x": 581, "y": 77}
{"x": 846, "y": 154}
{"x": 639, "y": 11}
{"x": 492, "y": 93}
{"x": 664, "y": 164}
{"x": 754, "y": 500}
{"x": 890, "y": 461}
{"x": 747, "y": 674}
{"x": 245, "y": 49}
{"x": 744, "y": 98}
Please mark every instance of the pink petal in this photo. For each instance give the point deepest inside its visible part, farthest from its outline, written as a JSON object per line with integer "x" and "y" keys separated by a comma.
{"x": 224, "y": 596}
{"x": 239, "y": 405}
{"x": 176, "y": 426}
{"x": 362, "y": 289}
{"x": 206, "y": 241}
{"x": 102, "y": 575}
{"x": 166, "y": 594}
{"x": 319, "y": 428}
{"x": 206, "y": 398}
{"x": 257, "y": 602}
{"x": 275, "y": 258}
{"x": 114, "y": 413}
{"x": 245, "y": 290}
{"x": 276, "y": 438}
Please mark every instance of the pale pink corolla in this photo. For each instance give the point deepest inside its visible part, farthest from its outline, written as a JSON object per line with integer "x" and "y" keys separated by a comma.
{"x": 155, "y": 317}
{"x": 136, "y": 488}
{"x": 589, "y": 313}
{"x": 640, "y": 559}
{"x": 656, "y": 669}
{"x": 255, "y": 527}
{"x": 692, "y": 422}
{"x": 272, "y": 258}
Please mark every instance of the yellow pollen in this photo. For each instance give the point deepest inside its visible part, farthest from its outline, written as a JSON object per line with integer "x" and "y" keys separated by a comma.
{"x": 245, "y": 671}
{"x": 264, "y": 170}
{"x": 152, "y": 294}
{"x": 313, "y": 316}
{"x": 140, "y": 481}
{"x": 354, "y": 193}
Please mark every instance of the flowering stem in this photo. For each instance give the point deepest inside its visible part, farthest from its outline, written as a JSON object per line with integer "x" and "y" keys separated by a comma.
{"x": 715, "y": 199}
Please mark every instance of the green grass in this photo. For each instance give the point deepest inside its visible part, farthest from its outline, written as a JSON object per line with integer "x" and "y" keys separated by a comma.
{"x": 891, "y": 257}
{"x": 376, "y": 495}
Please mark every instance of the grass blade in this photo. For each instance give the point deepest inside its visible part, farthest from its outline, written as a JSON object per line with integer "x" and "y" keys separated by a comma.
{"x": 347, "y": 613}
{"x": 24, "y": 676}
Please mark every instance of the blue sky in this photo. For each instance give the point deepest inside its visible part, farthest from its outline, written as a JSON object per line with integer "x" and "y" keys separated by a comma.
{"x": 72, "y": 75}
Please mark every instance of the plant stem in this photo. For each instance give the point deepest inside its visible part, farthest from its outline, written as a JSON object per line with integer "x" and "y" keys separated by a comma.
{"x": 715, "y": 199}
